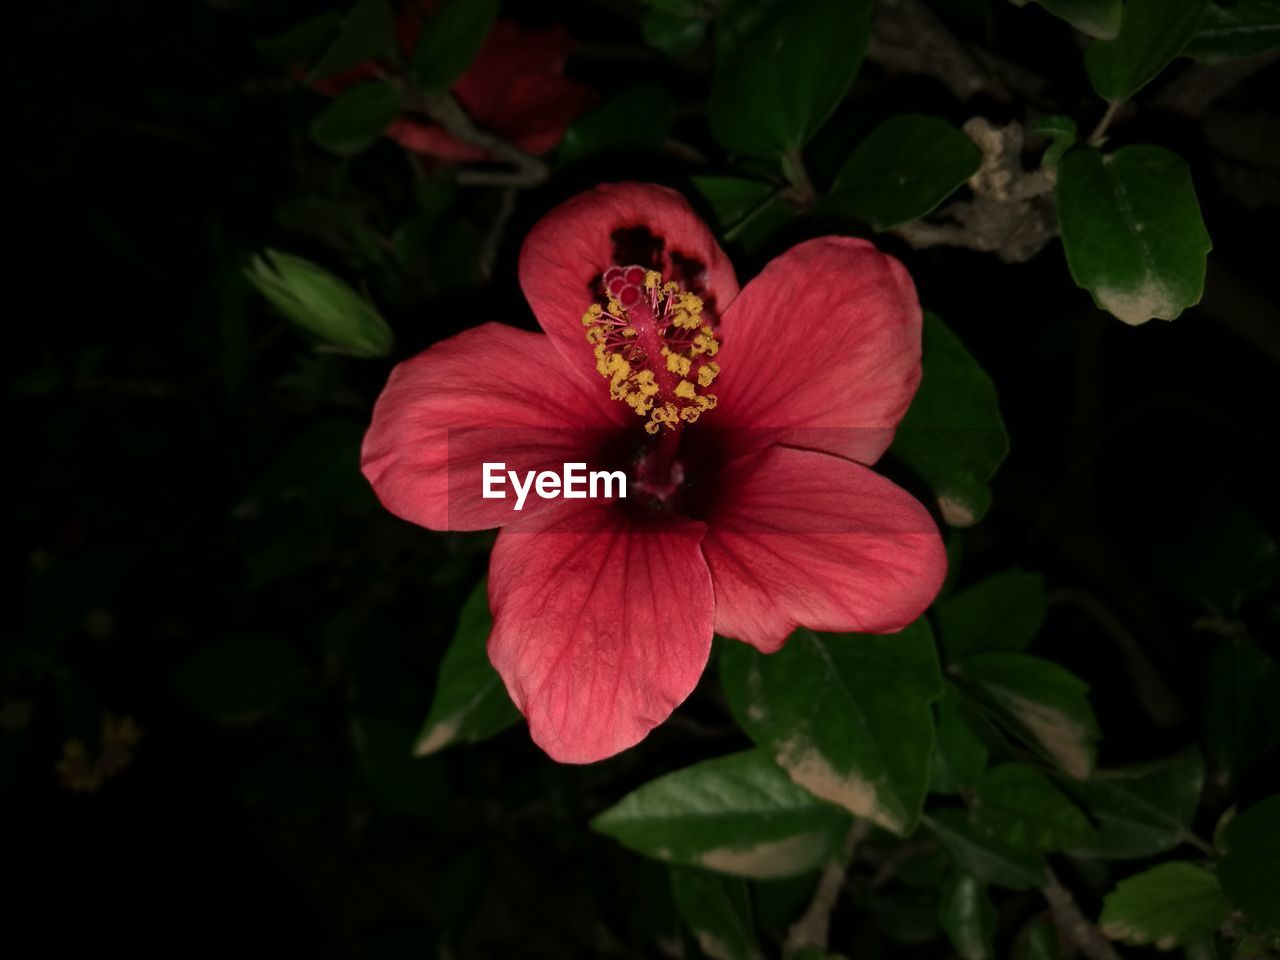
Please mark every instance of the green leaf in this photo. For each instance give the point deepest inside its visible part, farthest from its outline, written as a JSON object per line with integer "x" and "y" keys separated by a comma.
{"x": 1168, "y": 905}
{"x": 470, "y": 702}
{"x": 846, "y": 715}
{"x": 902, "y": 170}
{"x": 450, "y": 39}
{"x": 368, "y": 32}
{"x": 1037, "y": 940}
{"x": 1250, "y": 866}
{"x": 953, "y": 435}
{"x": 403, "y": 783}
{"x": 1242, "y": 716}
{"x": 675, "y": 32}
{"x": 1142, "y": 810}
{"x": 1132, "y": 231}
{"x": 321, "y": 305}
{"x": 1023, "y": 809}
{"x": 640, "y": 116}
{"x": 1002, "y": 612}
{"x": 1097, "y": 18}
{"x": 984, "y": 857}
{"x": 1062, "y": 133}
{"x": 240, "y": 678}
{"x": 966, "y": 914}
{"x": 747, "y": 211}
{"x": 717, "y": 911}
{"x": 781, "y": 68}
{"x": 1038, "y": 701}
{"x": 357, "y": 118}
{"x": 959, "y": 755}
{"x": 1244, "y": 28}
{"x": 738, "y": 814}
{"x": 1152, "y": 33}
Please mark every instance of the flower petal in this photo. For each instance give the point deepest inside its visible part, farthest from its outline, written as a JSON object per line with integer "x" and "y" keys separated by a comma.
{"x": 822, "y": 350}
{"x": 802, "y": 538}
{"x": 568, "y": 250}
{"x": 601, "y": 625}
{"x": 516, "y": 86}
{"x": 489, "y": 394}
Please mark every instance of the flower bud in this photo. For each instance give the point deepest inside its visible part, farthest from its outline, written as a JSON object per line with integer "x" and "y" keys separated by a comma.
{"x": 324, "y": 306}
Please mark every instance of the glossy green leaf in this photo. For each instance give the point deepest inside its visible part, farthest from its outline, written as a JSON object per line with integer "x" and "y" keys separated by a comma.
{"x": 367, "y": 33}
{"x": 640, "y": 116}
{"x": 1062, "y": 134}
{"x": 1232, "y": 30}
{"x": 1152, "y": 33}
{"x": 984, "y": 857}
{"x": 846, "y": 715}
{"x": 320, "y": 304}
{"x": 717, "y": 911}
{"x": 1022, "y": 808}
{"x": 1037, "y": 940}
{"x": 746, "y": 211}
{"x": 1250, "y": 866}
{"x": 470, "y": 702}
{"x": 953, "y": 435}
{"x": 738, "y": 814}
{"x": 1098, "y": 18}
{"x": 1002, "y": 612}
{"x": 357, "y": 118}
{"x": 959, "y": 755}
{"x": 1142, "y": 810}
{"x": 240, "y": 678}
{"x": 1039, "y": 701}
{"x": 450, "y": 39}
{"x": 902, "y": 170}
{"x": 1168, "y": 905}
{"x": 1132, "y": 231}
{"x": 967, "y": 916}
{"x": 675, "y": 29}
{"x": 781, "y": 68}
{"x": 1242, "y": 716}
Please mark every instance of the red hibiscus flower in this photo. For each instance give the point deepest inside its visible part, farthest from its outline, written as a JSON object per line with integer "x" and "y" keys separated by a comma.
{"x": 744, "y": 420}
{"x": 515, "y": 88}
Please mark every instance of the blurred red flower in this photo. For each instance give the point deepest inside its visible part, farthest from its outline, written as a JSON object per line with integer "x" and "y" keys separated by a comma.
{"x": 515, "y": 88}
{"x": 750, "y": 510}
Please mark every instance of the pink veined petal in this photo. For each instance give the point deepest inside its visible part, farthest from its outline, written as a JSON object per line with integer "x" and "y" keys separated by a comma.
{"x": 822, "y": 350}
{"x": 803, "y": 538}
{"x": 490, "y": 394}
{"x": 569, "y": 249}
{"x": 601, "y": 625}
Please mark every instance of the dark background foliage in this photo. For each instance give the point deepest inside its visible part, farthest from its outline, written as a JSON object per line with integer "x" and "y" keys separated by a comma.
{"x": 194, "y": 548}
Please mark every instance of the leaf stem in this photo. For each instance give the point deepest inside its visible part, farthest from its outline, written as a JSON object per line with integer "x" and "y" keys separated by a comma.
{"x": 813, "y": 930}
{"x": 1095, "y": 139}
{"x": 1072, "y": 924}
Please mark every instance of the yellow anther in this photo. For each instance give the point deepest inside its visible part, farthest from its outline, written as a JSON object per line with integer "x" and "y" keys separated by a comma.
{"x": 644, "y": 379}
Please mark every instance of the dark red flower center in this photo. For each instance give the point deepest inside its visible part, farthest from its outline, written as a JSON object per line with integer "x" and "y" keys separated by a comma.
{"x": 653, "y": 347}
